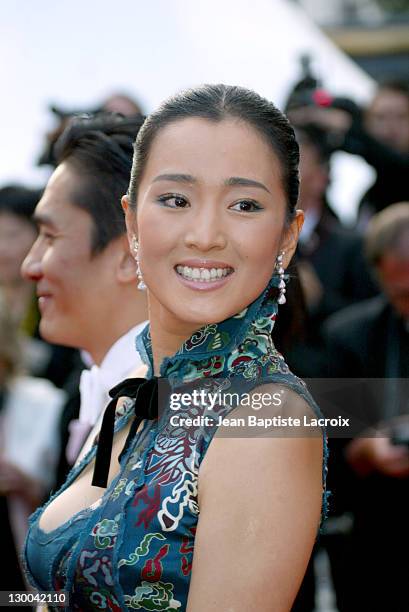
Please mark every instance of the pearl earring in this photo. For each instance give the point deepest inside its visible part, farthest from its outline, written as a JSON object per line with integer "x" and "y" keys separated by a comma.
{"x": 135, "y": 248}
{"x": 281, "y": 285}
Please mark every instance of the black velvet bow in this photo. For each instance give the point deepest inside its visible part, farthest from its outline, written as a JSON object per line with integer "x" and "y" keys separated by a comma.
{"x": 145, "y": 393}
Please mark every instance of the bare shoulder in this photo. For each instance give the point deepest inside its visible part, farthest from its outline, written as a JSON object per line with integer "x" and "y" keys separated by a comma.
{"x": 282, "y": 399}
{"x": 284, "y": 430}
{"x": 260, "y": 506}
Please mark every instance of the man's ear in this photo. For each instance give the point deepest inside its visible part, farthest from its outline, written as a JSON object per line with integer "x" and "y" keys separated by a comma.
{"x": 290, "y": 237}
{"x": 130, "y": 218}
{"x": 126, "y": 265}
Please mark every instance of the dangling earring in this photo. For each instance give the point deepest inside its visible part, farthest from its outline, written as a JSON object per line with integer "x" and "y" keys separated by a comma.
{"x": 135, "y": 248}
{"x": 281, "y": 285}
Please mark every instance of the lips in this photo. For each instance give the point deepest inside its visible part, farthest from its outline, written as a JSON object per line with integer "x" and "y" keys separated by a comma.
{"x": 44, "y": 298}
{"x": 203, "y": 263}
{"x": 203, "y": 274}
{"x": 43, "y": 294}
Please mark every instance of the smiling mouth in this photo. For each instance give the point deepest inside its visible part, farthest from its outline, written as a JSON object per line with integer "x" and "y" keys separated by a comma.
{"x": 203, "y": 275}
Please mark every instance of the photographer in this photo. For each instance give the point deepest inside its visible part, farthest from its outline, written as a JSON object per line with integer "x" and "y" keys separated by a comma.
{"x": 379, "y": 134}
{"x": 331, "y": 267}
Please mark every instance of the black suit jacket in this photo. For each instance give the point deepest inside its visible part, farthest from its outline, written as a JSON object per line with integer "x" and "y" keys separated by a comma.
{"x": 367, "y": 340}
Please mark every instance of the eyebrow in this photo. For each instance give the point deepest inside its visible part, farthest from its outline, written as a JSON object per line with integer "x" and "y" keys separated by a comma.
{"x": 40, "y": 219}
{"x": 177, "y": 178}
{"x": 231, "y": 182}
{"x": 245, "y": 182}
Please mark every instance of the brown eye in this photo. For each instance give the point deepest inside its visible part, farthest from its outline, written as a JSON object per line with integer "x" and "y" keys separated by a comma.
{"x": 173, "y": 201}
{"x": 246, "y": 206}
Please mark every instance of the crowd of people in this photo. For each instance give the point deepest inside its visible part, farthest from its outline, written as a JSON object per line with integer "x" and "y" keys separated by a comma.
{"x": 70, "y": 313}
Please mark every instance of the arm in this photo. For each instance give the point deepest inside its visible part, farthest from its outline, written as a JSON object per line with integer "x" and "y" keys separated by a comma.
{"x": 260, "y": 502}
{"x": 381, "y": 157}
{"x": 347, "y": 133}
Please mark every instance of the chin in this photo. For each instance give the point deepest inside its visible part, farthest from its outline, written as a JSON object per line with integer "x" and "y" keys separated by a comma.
{"x": 51, "y": 332}
{"x": 201, "y": 317}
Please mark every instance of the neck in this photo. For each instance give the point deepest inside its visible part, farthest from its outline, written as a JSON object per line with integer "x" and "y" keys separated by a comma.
{"x": 167, "y": 334}
{"x": 133, "y": 311}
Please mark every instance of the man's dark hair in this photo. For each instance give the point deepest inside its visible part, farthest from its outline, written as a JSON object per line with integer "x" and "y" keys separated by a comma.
{"x": 20, "y": 201}
{"x": 99, "y": 148}
{"x": 396, "y": 85}
{"x": 313, "y": 135}
{"x": 216, "y": 103}
{"x": 385, "y": 231}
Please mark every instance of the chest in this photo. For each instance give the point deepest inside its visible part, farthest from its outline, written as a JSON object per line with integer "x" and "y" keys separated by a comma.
{"x": 138, "y": 543}
{"x": 81, "y": 494}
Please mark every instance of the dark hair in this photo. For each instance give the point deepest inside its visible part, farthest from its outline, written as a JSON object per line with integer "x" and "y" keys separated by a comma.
{"x": 20, "y": 201}
{"x": 396, "y": 85}
{"x": 385, "y": 231}
{"x": 100, "y": 148}
{"x": 215, "y": 103}
{"x": 313, "y": 135}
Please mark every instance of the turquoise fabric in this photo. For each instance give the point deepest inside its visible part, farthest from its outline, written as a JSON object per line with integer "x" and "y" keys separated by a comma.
{"x": 135, "y": 550}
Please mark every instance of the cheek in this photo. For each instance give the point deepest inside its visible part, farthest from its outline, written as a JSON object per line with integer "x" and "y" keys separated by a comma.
{"x": 259, "y": 246}
{"x": 158, "y": 236}
{"x": 52, "y": 265}
{"x": 62, "y": 266}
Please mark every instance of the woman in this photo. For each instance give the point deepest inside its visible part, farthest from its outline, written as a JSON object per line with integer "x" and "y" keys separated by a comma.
{"x": 30, "y": 409}
{"x": 211, "y": 217}
{"x": 18, "y": 232}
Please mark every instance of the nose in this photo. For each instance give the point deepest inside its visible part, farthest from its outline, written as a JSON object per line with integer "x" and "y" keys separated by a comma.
{"x": 31, "y": 268}
{"x": 205, "y": 231}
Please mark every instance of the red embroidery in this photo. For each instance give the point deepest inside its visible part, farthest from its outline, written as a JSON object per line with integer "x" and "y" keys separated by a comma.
{"x": 152, "y": 570}
{"x": 152, "y": 505}
{"x": 187, "y": 546}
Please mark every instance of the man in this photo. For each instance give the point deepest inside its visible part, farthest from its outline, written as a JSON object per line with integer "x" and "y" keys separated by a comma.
{"x": 82, "y": 264}
{"x": 380, "y": 135}
{"x": 17, "y": 234}
{"x": 330, "y": 263}
{"x": 371, "y": 340}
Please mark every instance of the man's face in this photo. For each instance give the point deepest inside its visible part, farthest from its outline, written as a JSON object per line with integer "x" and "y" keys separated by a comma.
{"x": 393, "y": 273}
{"x": 388, "y": 119}
{"x": 314, "y": 177}
{"x": 71, "y": 283}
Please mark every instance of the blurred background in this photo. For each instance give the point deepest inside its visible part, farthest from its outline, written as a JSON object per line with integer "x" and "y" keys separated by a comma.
{"x": 340, "y": 70}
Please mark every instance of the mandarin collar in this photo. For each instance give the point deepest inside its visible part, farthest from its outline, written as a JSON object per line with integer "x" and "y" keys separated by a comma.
{"x": 215, "y": 339}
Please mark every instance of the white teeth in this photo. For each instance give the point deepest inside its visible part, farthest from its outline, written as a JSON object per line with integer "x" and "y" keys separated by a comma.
{"x": 203, "y": 274}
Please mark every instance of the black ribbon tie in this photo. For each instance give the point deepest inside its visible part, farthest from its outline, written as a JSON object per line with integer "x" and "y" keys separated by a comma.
{"x": 145, "y": 393}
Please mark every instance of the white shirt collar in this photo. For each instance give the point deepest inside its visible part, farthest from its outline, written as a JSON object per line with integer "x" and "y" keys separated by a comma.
{"x": 95, "y": 383}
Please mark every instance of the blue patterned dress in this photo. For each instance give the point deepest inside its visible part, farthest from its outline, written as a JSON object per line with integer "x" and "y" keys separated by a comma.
{"x": 135, "y": 550}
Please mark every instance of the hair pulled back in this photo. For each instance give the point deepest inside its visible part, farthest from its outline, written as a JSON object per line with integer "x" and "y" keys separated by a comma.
{"x": 215, "y": 103}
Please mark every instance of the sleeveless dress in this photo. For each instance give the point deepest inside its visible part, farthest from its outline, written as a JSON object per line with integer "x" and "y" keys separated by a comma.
{"x": 134, "y": 551}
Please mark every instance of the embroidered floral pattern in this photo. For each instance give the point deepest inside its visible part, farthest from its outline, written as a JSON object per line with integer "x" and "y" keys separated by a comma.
{"x": 136, "y": 549}
{"x": 153, "y": 596}
{"x": 105, "y": 532}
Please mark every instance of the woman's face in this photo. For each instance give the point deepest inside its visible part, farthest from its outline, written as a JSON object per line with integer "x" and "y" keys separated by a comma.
{"x": 16, "y": 237}
{"x": 210, "y": 220}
